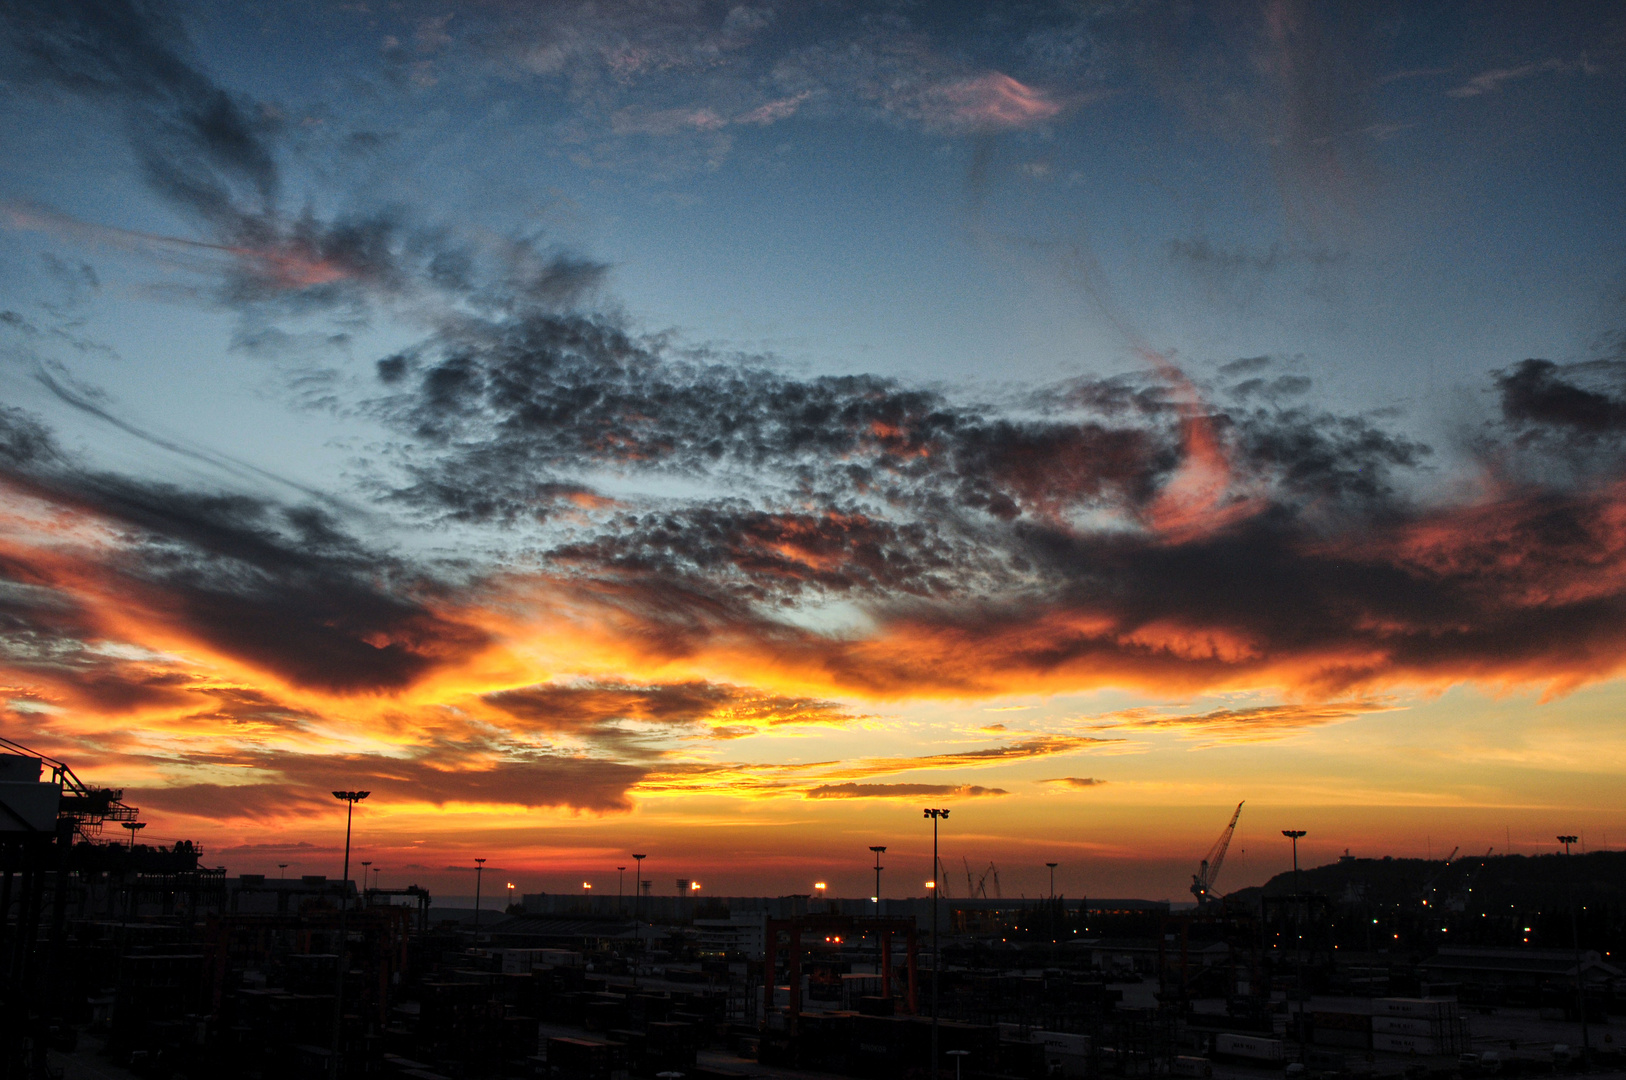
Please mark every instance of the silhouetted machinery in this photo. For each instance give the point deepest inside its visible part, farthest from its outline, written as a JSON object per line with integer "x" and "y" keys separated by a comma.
{"x": 44, "y": 807}
{"x": 1202, "y": 882}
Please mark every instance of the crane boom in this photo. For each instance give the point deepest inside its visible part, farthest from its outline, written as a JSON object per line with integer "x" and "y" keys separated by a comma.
{"x": 1216, "y": 857}
{"x": 1202, "y": 882}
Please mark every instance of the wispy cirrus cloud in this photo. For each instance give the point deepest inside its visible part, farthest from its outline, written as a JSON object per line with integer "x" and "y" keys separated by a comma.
{"x": 901, "y": 791}
{"x": 1258, "y": 723}
{"x": 1077, "y": 783}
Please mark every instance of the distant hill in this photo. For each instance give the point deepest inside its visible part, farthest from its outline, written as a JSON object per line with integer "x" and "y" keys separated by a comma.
{"x": 1497, "y": 882}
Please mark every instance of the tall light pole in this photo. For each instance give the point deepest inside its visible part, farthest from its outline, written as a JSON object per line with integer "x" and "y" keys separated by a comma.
{"x": 1052, "y": 878}
{"x": 282, "y": 869}
{"x": 1575, "y": 940}
{"x": 479, "y": 869}
{"x": 937, "y": 955}
{"x": 350, "y": 799}
{"x": 638, "y": 887}
{"x": 880, "y": 939}
{"x": 134, "y": 827}
{"x": 1293, "y": 835}
{"x": 620, "y": 875}
{"x": 366, "y": 868}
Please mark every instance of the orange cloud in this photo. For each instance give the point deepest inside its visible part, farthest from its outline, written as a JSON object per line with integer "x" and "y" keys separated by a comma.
{"x": 989, "y": 101}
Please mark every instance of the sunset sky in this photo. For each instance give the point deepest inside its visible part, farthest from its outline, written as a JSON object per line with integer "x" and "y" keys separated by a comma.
{"x": 719, "y": 431}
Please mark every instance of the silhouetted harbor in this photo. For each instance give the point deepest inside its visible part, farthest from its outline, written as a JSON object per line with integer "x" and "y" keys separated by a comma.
{"x": 124, "y": 958}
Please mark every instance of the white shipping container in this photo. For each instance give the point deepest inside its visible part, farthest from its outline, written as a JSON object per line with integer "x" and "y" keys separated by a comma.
{"x": 1425, "y": 1008}
{"x": 1063, "y": 1042}
{"x": 1405, "y": 1025}
{"x": 1404, "y": 1044}
{"x": 1252, "y": 1047}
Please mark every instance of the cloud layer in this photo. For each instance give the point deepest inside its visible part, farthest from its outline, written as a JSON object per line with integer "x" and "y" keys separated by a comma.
{"x": 659, "y": 548}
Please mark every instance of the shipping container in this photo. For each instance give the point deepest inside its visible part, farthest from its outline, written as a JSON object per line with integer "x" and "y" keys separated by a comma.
{"x": 1406, "y": 1025}
{"x": 1422, "y": 1008}
{"x": 1249, "y": 1047}
{"x": 1405, "y": 1044}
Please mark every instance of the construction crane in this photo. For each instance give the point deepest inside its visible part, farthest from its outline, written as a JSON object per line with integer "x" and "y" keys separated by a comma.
{"x": 1428, "y": 885}
{"x": 979, "y": 885}
{"x": 1202, "y": 882}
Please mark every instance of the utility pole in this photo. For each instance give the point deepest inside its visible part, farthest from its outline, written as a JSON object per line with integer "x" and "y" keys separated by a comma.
{"x": 1294, "y": 835}
{"x": 479, "y": 869}
{"x": 937, "y": 955}
{"x": 350, "y": 799}
{"x": 1575, "y": 939}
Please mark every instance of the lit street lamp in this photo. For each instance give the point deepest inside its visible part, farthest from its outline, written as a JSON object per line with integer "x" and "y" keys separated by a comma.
{"x": 1575, "y": 940}
{"x": 1298, "y": 897}
{"x": 880, "y": 939}
{"x": 937, "y": 956}
{"x": 350, "y": 799}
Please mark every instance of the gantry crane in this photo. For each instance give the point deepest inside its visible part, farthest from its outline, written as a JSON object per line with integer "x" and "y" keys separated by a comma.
{"x": 1202, "y": 882}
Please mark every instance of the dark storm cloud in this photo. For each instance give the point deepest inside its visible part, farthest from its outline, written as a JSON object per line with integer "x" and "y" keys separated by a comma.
{"x": 215, "y": 154}
{"x": 958, "y": 528}
{"x": 589, "y": 706}
{"x": 515, "y": 403}
{"x": 1587, "y": 399}
{"x": 283, "y": 588}
{"x": 304, "y": 783}
{"x": 196, "y": 139}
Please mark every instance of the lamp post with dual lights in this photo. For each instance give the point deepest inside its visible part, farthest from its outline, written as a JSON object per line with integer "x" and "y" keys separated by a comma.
{"x": 1575, "y": 941}
{"x": 134, "y": 827}
{"x": 479, "y": 869}
{"x": 1298, "y": 926}
{"x": 935, "y": 815}
{"x": 880, "y": 940}
{"x": 350, "y": 799}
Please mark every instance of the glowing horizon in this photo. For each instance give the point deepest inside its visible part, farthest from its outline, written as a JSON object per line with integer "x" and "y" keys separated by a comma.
{"x": 715, "y": 433}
